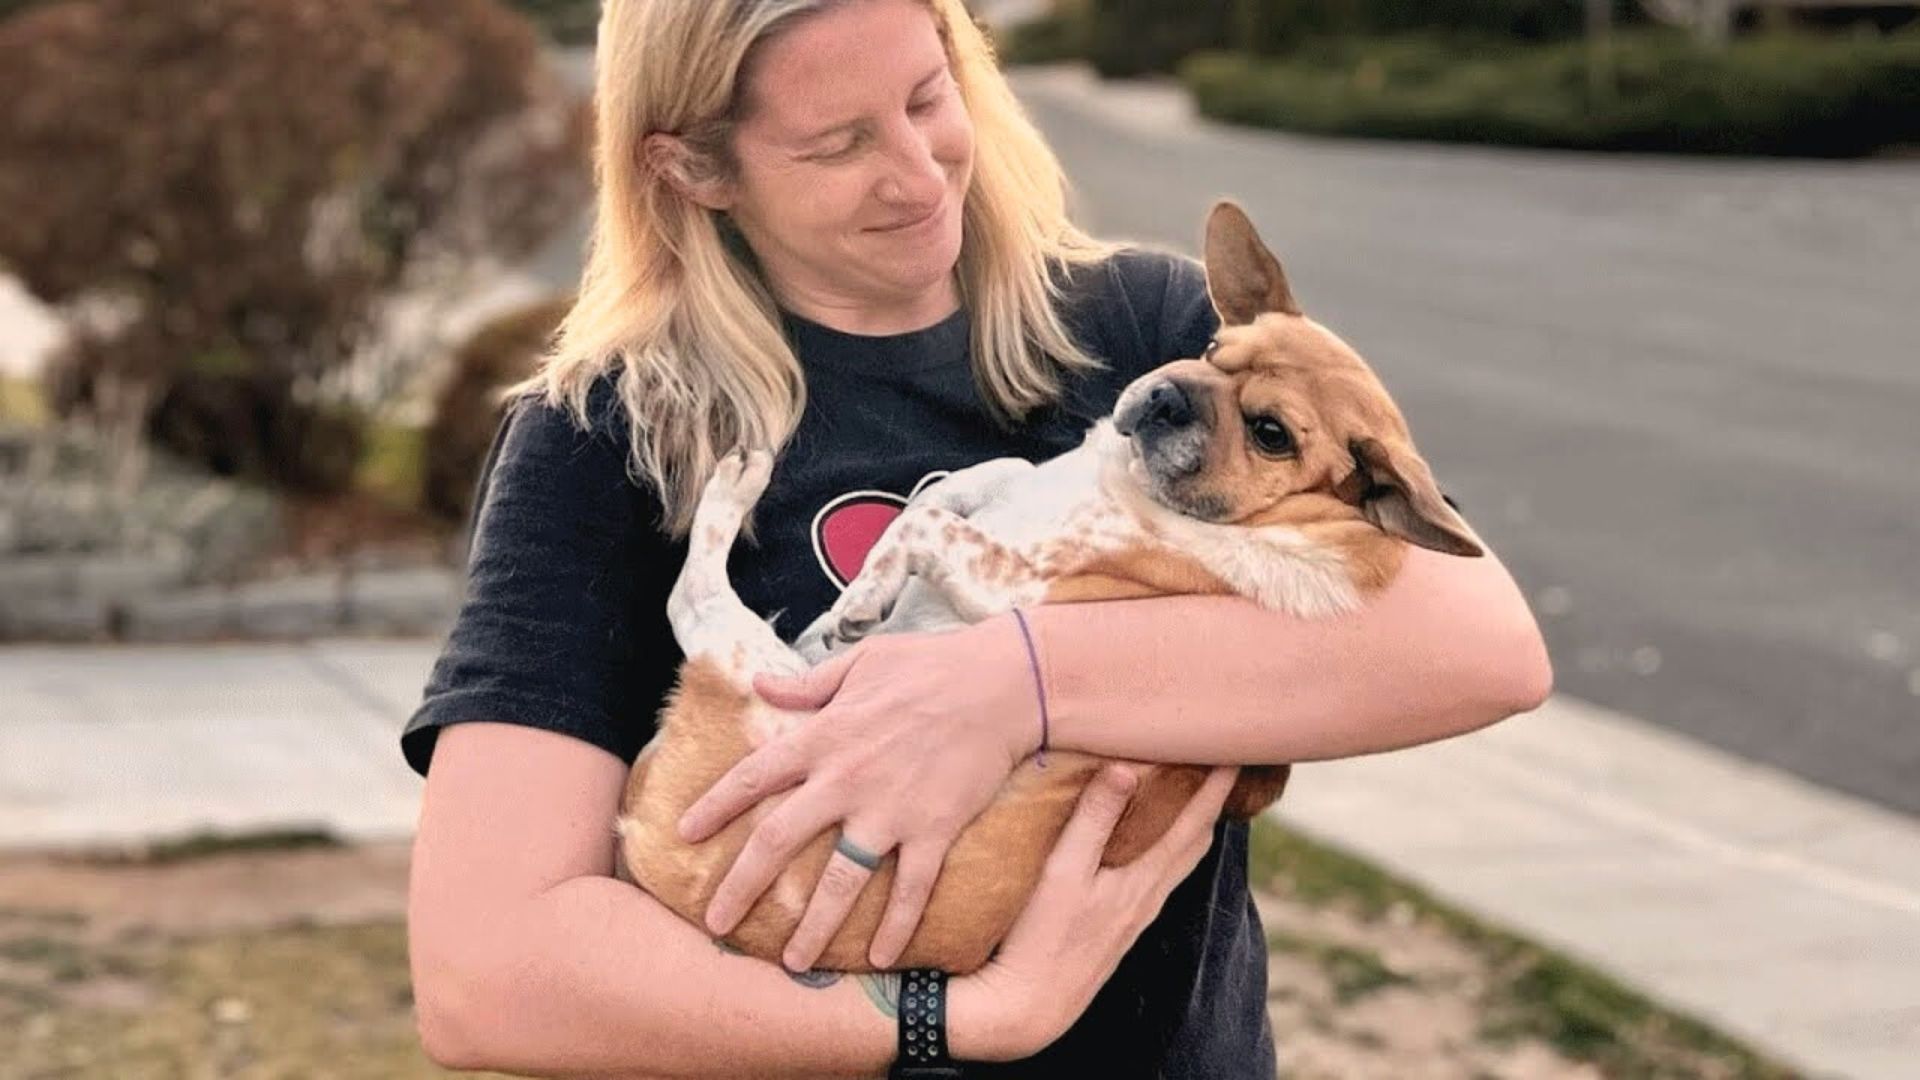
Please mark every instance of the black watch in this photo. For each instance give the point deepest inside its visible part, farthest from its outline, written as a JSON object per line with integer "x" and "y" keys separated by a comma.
{"x": 923, "y": 1028}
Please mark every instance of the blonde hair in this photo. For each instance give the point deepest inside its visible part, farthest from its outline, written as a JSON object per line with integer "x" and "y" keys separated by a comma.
{"x": 679, "y": 312}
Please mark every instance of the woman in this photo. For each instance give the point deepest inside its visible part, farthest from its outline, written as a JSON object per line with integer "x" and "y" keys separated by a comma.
{"x": 825, "y": 226}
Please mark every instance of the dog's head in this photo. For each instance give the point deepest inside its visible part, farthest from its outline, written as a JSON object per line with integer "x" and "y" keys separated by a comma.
{"x": 1280, "y": 423}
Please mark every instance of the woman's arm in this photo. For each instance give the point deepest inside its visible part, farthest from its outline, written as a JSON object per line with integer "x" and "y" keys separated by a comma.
{"x": 528, "y": 958}
{"x": 1447, "y": 647}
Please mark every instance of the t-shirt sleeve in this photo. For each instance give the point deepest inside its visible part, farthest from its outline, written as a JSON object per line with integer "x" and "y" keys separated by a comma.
{"x": 562, "y": 626}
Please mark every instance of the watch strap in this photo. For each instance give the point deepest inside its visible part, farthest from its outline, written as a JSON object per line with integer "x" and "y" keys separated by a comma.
{"x": 922, "y": 1052}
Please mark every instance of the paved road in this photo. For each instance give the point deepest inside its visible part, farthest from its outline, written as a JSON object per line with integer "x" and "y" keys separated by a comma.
{"x": 1678, "y": 396}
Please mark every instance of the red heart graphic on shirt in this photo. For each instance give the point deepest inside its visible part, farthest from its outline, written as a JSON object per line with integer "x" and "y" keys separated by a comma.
{"x": 845, "y": 529}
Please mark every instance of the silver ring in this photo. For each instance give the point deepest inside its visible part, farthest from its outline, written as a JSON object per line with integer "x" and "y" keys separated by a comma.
{"x": 861, "y": 856}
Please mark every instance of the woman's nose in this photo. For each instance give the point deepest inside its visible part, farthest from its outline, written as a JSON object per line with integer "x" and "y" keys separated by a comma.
{"x": 914, "y": 174}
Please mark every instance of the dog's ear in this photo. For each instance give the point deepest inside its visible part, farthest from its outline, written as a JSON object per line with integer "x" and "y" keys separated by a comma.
{"x": 1396, "y": 491}
{"x": 1243, "y": 277}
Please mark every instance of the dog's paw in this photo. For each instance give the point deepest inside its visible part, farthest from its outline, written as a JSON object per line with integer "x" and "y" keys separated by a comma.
{"x": 865, "y": 605}
{"x": 756, "y": 467}
{"x": 849, "y": 630}
{"x": 737, "y": 482}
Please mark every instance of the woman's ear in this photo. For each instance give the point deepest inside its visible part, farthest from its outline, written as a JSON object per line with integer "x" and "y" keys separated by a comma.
{"x": 669, "y": 157}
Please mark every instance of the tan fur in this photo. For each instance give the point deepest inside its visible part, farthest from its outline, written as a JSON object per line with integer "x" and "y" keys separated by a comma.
{"x": 1298, "y": 539}
{"x": 1136, "y": 572}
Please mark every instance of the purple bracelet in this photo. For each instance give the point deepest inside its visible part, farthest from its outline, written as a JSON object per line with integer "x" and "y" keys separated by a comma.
{"x": 1039, "y": 686}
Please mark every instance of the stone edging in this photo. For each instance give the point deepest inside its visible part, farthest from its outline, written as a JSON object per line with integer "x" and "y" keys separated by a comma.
{"x": 106, "y": 599}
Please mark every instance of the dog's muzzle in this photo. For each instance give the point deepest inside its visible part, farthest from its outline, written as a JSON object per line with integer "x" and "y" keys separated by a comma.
{"x": 1164, "y": 406}
{"x": 1168, "y": 425}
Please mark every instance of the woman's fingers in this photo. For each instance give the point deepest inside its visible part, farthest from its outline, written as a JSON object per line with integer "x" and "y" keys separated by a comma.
{"x": 771, "y": 769}
{"x": 1065, "y": 914}
{"x": 1191, "y": 833}
{"x": 914, "y": 872}
{"x": 774, "y": 842}
{"x": 1084, "y": 840}
{"x": 839, "y": 886}
{"x": 810, "y": 689}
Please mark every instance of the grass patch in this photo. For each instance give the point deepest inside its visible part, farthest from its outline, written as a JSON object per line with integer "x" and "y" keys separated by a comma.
{"x": 59, "y": 955}
{"x": 1532, "y": 992}
{"x": 1288, "y": 863}
{"x": 1355, "y": 973}
{"x": 305, "y": 1001}
{"x": 205, "y": 844}
{"x": 21, "y": 402}
{"x": 41, "y": 916}
{"x": 1782, "y": 94}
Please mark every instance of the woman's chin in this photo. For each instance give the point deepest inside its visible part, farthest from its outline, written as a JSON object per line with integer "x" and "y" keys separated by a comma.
{"x": 919, "y": 277}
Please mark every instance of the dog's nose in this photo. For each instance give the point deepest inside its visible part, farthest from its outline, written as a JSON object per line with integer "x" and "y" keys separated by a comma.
{"x": 1167, "y": 405}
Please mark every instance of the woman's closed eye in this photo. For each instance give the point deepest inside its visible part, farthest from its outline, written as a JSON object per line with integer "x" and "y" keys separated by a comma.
{"x": 926, "y": 103}
{"x": 932, "y": 100}
{"x": 842, "y": 151}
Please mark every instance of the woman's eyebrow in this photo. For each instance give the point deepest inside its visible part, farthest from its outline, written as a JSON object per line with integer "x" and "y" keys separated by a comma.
{"x": 856, "y": 122}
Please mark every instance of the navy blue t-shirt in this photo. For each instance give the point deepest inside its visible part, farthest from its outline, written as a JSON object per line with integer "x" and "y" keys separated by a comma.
{"x": 564, "y": 624}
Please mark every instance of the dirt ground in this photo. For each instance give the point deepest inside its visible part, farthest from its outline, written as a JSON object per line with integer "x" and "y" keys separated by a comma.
{"x": 293, "y": 964}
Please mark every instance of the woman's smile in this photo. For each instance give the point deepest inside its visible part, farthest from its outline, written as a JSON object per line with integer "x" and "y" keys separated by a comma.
{"x": 913, "y": 227}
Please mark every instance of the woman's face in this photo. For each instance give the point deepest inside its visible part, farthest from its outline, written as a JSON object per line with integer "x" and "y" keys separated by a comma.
{"x": 854, "y": 160}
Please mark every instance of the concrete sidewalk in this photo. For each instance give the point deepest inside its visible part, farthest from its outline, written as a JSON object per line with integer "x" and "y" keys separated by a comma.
{"x": 1783, "y": 914}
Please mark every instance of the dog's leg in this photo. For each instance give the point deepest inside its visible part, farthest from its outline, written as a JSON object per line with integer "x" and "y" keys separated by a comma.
{"x": 708, "y": 617}
{"x": 978, "y": 575}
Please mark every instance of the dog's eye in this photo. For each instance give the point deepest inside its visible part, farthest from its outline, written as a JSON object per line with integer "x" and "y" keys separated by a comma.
{"x": 1270, "y": 435}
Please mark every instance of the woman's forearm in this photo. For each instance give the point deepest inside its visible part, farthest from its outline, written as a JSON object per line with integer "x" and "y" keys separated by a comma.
{"x": 597, "y": 979}
{"x": 1448, "y": 647}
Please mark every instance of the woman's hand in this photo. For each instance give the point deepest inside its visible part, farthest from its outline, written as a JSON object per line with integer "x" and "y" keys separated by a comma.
{"x": 915, "y": 736}
{"x": 1079, "y": 922}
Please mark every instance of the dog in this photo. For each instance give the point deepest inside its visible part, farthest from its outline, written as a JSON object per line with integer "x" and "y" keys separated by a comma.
{"x": 1275, "y": 467}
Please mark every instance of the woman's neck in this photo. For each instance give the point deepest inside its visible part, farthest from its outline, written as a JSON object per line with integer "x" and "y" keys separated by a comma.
{"x": 869, "y": 318}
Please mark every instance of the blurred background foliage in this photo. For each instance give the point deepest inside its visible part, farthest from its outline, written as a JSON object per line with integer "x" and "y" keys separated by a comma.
{"x": 570, "y": 22}
{"x": 1825, "y": 80}
{"x": 454, "y": 444}
{"x": 227, "y": 202}
{"x": 281, "y": 258}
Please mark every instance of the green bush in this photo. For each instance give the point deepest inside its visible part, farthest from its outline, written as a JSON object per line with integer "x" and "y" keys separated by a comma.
{"x": 572, "y": 22}
{"x": 1046, "y": 40}
{"x": 1275, "y": 26}
{"x": 1125, "y": 38}
{"x": 1134, "y": 37}
{"x": 1786, "y": 95}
